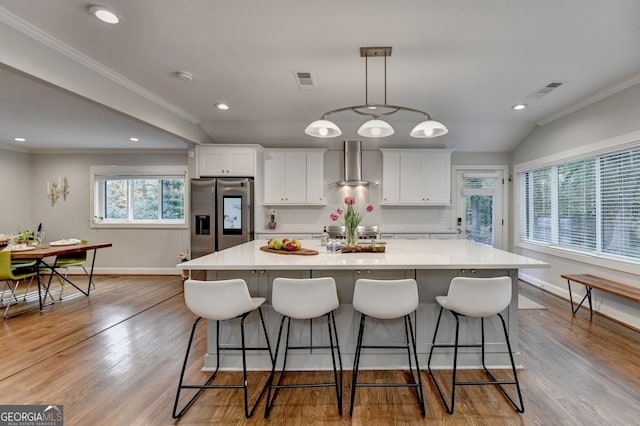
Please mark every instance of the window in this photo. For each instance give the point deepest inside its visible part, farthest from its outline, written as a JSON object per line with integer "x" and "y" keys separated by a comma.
{"x": 139, "y": 197}
{"x": 590, "y": 205}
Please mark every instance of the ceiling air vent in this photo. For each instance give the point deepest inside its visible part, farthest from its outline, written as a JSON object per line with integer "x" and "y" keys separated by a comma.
{"x": 546, "y": 89}
{"x": 304, "y": 80}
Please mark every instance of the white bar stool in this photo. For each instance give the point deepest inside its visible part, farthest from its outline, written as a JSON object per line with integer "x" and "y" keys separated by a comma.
{"x": 387, "y": 299}
{"x": 479, "y": 298}
{"x": 303, "y": 299}
{"x": 221, "y": 301}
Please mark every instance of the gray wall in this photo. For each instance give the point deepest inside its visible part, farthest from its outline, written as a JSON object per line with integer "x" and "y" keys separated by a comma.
{"x": 155, "y": 250}
{"x": 15, "y": 191}
{"x": 134, "y": 250}
{"x": 613, "y": 116}
{"x": 390, "y": 219}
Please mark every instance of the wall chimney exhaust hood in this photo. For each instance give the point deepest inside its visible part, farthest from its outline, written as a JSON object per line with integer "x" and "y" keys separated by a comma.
{"x": 353, "y": 165}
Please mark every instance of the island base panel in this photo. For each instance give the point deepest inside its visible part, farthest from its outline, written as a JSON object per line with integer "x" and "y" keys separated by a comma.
{"x": 431, "y": 283}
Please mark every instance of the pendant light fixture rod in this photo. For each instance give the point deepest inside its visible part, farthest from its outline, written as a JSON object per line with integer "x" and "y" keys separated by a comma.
{"x": 392, "y": 109}
{"x": 366, "y": 79}
{"x": 385, "y": 77}
{"x": 375, "y": 128}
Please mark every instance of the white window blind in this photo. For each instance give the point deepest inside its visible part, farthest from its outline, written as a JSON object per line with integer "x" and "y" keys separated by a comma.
{"x": 591, "y": 205}
{"x": 540, "y": 205}
{"x": 577, "y": 204}
{"x": 620, "y": 177}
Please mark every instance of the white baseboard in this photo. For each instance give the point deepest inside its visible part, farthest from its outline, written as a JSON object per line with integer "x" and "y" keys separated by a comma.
{"x": 536, "y": 282}
{"x": 608, "y": 306}
{"x": 128, "y": 271}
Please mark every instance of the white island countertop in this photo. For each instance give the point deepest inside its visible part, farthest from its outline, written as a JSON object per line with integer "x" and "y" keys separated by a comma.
{"x": 400, "y": 254}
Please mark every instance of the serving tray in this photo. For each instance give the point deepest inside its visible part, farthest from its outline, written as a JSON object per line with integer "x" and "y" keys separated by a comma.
{"x": 300, "y": 252}
{"x": 363, "y": 249}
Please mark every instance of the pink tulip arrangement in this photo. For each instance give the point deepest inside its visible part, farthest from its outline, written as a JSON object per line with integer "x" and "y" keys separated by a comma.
{"x": 352, "y": 216}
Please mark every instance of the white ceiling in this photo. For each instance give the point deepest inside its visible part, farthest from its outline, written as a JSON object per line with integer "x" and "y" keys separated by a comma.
{"x": 463, "y": 61}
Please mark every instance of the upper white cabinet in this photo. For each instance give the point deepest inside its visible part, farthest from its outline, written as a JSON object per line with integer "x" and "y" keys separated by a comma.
{"x": 416, "y": 176}
{"x": 315, "y": 177}
{"x": 225, "y": 160}
{"x": 294, "y": 176}
{"x": 390, "y": 177}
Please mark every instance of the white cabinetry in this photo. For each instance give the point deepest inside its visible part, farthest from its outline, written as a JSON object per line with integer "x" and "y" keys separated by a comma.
{"x": 390, "y": 177}
{"x": 416, "y": 176}
{"x": 315, "y": 177}
{"x": 225, "y": 160}
{"x": 291, "y": 235}
{"x": 294, "y": 176}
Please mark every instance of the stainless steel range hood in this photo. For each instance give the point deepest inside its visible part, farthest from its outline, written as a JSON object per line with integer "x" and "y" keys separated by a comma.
{"x": 353, "y": 165}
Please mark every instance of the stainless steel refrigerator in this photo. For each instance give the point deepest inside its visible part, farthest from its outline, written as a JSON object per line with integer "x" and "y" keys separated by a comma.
{"x": 221, "y": 214}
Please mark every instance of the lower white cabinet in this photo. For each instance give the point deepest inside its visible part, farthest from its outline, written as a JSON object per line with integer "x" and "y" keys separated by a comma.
{"x": 420, "y": 236}
{"x": 291, "y": 236}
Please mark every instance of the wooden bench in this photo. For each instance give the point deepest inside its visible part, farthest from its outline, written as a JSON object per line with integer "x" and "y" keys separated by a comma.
{"x": 602, "y": 284}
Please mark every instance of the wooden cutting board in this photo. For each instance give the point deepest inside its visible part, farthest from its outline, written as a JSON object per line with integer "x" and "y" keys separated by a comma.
{"x": 363, "y": 249}
{"x": 300, "y": 252}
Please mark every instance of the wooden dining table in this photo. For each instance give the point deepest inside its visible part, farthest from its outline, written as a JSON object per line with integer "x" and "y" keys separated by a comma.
{"x": 42, "y": 253}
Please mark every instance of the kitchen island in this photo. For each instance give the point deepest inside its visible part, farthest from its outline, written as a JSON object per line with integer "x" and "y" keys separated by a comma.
{"x": 432, "y": 263}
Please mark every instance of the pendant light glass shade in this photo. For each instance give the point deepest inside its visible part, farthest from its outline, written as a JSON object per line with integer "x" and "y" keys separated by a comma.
{"x": 429, "y": 129}
{"x": 376, "y": 128}
{"x": 323, "y": 129}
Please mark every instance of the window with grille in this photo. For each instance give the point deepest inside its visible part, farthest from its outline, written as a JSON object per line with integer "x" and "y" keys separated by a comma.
{"x": 590, "y": 205}
{"x": 139, "y": 196}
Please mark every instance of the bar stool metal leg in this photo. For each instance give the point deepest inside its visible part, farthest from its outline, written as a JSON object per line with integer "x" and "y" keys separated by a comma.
{"x": 335, "y": 351}
{"x": 493, "y": 381}
{"x": 410, "y": 343}
{"x": 206, "y": 385}
{"x": 339, "y": 389}
{"x": 420, "y": 394}
{"x": 455, "y": 363}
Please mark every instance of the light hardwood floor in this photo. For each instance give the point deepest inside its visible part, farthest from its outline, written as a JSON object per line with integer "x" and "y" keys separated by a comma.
{"x": 113, "y": 359}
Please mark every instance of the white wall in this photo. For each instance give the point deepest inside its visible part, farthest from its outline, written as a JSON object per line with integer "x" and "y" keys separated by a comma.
{"x": 15, "y": 191}
{"x": 614, "y": 116}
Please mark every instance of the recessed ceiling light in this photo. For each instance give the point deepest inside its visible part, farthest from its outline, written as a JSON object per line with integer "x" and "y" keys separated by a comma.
{"x": 104, "y": 14}
{"x": 222, "y": 106}
{"x": 519, "y": 107}
{"x": 134, "y": 139}
{"x": 19, "y": 139}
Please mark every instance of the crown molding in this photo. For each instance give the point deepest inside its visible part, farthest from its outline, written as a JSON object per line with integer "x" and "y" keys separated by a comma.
{"x": 20, "y": 149}
{"x": 106, "y": 151}
{"x": 53, "y": 43}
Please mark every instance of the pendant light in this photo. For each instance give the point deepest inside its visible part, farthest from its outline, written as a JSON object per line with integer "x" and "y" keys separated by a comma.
{"x": 375, "y": 127}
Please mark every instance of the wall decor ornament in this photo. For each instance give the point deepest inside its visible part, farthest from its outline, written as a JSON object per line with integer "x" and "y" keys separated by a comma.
{"x": 55, "y": 190}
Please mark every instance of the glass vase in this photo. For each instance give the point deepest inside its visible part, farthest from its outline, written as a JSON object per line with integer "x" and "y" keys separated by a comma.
{"x": 350, "y": 235}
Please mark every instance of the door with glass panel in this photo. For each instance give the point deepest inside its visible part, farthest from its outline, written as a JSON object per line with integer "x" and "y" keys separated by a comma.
{"x": 480, "y": 213}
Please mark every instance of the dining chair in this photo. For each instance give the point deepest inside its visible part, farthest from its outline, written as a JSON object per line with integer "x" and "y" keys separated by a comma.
{"x": 67, "y": 261}
{"x": 23, "y": 265}
{"x": 12, "y": 278}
